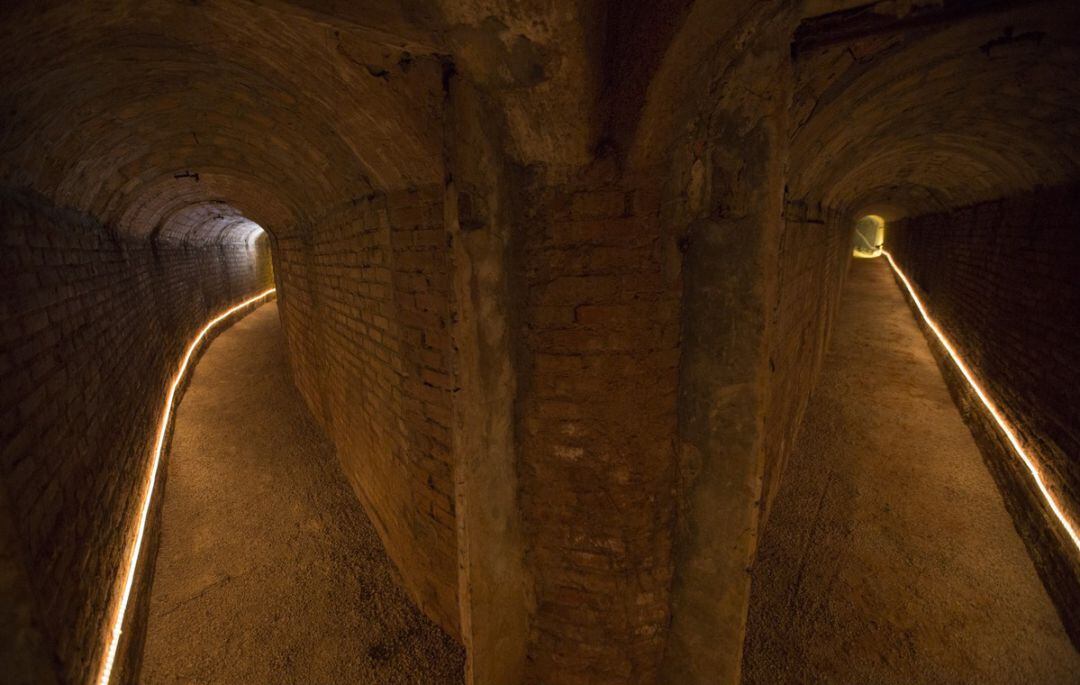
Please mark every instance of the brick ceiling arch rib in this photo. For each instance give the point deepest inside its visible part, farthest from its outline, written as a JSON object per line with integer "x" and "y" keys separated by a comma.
{"x": 210, "y": 222}
{"x": 159, "y": 200}
{"x": 711, "y": 46}
{"x": 932, "y": 174}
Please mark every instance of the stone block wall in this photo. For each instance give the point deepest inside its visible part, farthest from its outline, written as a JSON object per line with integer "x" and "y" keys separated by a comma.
{"x": 366, "y": 303}
{"x": 1000, "y": 279}
{"x": 93, "y": 327}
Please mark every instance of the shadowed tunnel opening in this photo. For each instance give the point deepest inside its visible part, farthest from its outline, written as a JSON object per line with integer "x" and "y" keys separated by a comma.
{"x": 562, "y": 314}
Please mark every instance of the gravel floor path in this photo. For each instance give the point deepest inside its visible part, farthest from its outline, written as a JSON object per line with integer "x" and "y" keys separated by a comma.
{"x": 889, "y": 556}
{"x": 269, "y": 571}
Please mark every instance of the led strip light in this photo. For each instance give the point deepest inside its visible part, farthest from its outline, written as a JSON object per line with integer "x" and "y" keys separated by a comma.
{"x": 990, "y": 407}
{"x": 151, "y": 478}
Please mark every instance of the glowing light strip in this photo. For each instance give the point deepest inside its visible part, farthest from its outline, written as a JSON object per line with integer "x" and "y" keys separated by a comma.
{"x": 151, "y": 479}
{"x": 990, "y": 407}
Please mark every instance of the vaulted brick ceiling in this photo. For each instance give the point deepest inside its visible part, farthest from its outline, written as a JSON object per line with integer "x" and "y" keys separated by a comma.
{"x": 938, "y": 116}
{"x": 136, "y": 112}
{"x": 148, "y": 115}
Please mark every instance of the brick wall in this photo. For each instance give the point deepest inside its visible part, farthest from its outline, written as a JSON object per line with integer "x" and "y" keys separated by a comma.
{"x": 365, "y": 300}
{"x": 597, "y": 412}
{"x": 1001, "y": 279}
{"x": 597, "y": 420}
{"x": 93, "y": 326}
{"x": 814, "y": 253}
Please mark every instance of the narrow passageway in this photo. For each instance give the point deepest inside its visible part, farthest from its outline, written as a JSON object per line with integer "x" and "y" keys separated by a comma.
{"x": 889, "y": 556}
{"x": 269, "y": 571}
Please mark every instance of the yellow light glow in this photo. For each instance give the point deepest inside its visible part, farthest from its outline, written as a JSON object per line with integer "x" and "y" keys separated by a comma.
{"x": 113, "y": 637}
{"x": 872, "y": 249}
{"x": 1014, "y": 441}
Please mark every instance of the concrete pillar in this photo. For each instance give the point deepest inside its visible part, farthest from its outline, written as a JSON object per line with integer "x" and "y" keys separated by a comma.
{"x": 735, "y": 200}
{"x": 493, "y": 586}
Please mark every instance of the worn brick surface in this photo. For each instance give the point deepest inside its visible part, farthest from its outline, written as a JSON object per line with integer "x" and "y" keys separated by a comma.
{"x": 597, "y": 421}
{"x": 1000, "y": 278}
{"x": 93, "y": 327}
{"x": 366, "y": 307}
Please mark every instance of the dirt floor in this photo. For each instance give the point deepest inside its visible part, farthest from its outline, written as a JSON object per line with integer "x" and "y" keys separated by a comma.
{"x": 889, "y": 556}
{"x": 269, "y": 571}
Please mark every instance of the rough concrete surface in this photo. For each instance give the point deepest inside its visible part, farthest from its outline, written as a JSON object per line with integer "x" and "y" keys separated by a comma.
{"x": 269, "y": 571}
{"x": 889, "y": 556}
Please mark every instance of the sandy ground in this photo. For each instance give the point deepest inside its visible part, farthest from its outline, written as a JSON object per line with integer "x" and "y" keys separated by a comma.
{"x": 889, "y": 556}
{"x": 269, "y": 571}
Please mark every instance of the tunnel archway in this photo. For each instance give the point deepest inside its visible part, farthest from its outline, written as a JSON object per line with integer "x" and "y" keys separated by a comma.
{"x": 152, "y": 167}
{"x": 869, "y": 236}
{"x": 879, "y": 122}
{"x": 890, "y": 126}
{"x": 960, "y": 171}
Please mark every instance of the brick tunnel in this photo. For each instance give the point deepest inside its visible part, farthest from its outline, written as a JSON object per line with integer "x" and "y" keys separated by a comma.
{"x": 523, "y": 342}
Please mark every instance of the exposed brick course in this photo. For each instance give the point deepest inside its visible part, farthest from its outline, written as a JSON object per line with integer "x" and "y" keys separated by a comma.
{"x": 597, "y": 419}
{"x": 815, "y": 249}
{"x": 94, "y": 326}
{"x": 1000, "y": 278}
{"x": 366, "y": 306}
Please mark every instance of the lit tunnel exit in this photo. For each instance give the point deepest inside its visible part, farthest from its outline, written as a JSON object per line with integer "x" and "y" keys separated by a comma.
{"x": 869, "y": 236}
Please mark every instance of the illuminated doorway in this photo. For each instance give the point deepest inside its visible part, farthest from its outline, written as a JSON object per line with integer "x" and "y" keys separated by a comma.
{"x": 869, "y": 236}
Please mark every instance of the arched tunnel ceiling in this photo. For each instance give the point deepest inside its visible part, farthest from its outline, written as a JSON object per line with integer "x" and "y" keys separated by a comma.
{"x": 941, "y": 116}
{"x": 134, "y": 111}
{"x": 207, "y": 222}
{"x": 145, "y": 114}
{"x": 129, "y": 111}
